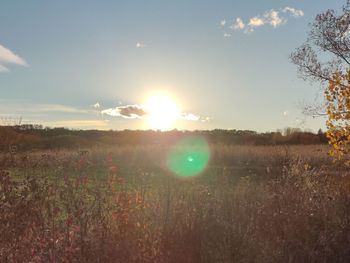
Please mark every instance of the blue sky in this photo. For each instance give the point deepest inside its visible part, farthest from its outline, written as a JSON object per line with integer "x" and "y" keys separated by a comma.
{"x": 62, "y": 57}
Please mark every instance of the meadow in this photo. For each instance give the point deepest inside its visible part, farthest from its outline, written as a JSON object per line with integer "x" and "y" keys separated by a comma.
{"x": 121, "y": 131}
{"x": 122, "y": 204}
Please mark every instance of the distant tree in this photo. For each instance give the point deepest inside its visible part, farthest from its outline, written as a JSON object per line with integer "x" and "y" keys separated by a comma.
{"x": 10, "y": 121}
{"x": 288, "y": 131}
{"x": 325, "y": 58}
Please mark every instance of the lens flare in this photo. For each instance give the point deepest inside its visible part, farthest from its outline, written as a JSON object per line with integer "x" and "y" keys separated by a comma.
{"x": 189, "y": 156}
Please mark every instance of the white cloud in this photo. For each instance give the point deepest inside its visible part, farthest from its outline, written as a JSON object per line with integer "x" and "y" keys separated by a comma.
{"x": 8, "y": 57}
{"x": 96, "y": 105}
{"x": 238, "y": 25}
{"x": 256, "y": 22}
{"x": 205, "y": 119}
{"x": 227, "y": 35}
{"x": 271, "y": 17}
{"x": 223, "y": 23}
{"x": 274, "y": 18}
{"x": 140, "y": 45}
{"x": 294, "y": 12}
{"x": 193, "y": 117}
{"x": 190, "y": 117}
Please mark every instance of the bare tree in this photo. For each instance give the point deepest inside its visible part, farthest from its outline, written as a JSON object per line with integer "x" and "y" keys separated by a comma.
{"x": 11, "y": 121}
{"x": 327, "y": 48}
{"x": 325, "y": 52}
{"x": 325, "y": 58}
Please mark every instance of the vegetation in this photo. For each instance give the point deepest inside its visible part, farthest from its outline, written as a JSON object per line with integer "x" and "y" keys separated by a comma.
{"x": 29, "y": 137}
{"x": 329, "y": 37}
{"x": 338, "y": 111}
{"x": 122, "y": 204}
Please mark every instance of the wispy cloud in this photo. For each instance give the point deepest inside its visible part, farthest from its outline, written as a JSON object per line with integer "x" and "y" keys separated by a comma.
{"x": 8, "y": 57}
{"x": 223, "y": 23}
{"x": 227, "y": 35}
{"x": 193, "y": 117}
{"x": 25, "y": 108}
{"x": 48, "y": 114}
{"x": 273, "y": 18}
{"x": 238, "y": 24}
{"x": 78, "y": 124}
{"x": 55, "y": 108}
{"x": 294, "y": 12}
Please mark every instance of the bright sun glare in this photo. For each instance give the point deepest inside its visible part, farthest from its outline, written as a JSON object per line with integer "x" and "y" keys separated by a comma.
{"x": 162, "y": 112}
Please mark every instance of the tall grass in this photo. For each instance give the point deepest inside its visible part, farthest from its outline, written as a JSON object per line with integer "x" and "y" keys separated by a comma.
{"x": 251, "y": 204}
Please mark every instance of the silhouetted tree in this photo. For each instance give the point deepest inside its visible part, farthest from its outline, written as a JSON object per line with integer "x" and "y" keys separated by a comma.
{"x": 329, "y": 37}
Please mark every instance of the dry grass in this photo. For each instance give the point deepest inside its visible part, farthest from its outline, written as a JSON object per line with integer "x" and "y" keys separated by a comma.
{"x": 252, "y": 204}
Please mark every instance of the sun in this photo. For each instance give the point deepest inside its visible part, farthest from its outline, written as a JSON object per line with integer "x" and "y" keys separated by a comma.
{"x": 162, "y": 112}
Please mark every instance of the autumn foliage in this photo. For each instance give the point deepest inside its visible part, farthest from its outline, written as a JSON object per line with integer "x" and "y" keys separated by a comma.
{"x": 338, "y": 111}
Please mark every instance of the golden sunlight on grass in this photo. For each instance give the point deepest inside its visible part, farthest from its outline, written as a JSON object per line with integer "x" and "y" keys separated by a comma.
{"x": 162, "y": 112}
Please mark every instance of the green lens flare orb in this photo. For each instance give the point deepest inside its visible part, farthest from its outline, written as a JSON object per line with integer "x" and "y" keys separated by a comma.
{"x": 189, "y": 156}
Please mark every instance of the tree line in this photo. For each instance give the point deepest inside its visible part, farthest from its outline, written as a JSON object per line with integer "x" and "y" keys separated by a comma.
{"x": 28, "y": 136}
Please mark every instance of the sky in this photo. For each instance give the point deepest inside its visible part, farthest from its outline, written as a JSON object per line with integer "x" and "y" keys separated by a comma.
{"x": 185, "y": 64}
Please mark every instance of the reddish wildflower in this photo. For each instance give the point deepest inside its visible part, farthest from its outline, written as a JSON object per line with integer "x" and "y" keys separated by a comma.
{"x": 69, "y": 220}
{"x": 109, "y": 157}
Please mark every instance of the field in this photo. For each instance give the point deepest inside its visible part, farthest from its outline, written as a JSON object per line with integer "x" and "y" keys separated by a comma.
{"x": 122, "y": 204}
